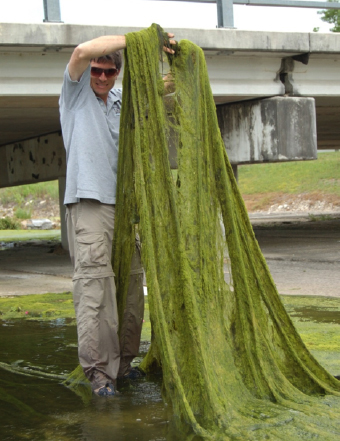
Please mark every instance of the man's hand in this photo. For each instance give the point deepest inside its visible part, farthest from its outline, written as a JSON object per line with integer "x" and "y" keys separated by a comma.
{"x": 168, "y": 49}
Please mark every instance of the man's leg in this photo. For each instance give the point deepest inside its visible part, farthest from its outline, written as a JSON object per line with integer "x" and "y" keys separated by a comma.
{"x": 90, "y": 231}
{"x": 133, "y": 315}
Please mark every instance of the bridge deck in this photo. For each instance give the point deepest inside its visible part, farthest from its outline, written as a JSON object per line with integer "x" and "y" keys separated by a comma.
{"x": 242, "y": 65}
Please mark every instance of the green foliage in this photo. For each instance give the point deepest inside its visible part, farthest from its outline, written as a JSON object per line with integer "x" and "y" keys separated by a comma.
{"x": 319, "y": 217}
{"x": 322, "y": 175}
{"x": 31, "y": 191}
{"x": 21, "y": 213}
{"x": 8, "y": 224}
{"x": 331, "y": 16}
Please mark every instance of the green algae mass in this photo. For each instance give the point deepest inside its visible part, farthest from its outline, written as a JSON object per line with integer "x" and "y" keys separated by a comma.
{"x": 317, "y": 320}
{"x": 38, "y": 307}
{"x": 234, "y": 366}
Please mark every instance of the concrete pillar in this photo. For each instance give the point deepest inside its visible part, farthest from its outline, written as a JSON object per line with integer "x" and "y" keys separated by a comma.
{"x": 62, "y": 208}
{"x": 269, "y": 130}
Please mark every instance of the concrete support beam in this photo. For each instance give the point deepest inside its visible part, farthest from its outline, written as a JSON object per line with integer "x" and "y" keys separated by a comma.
{"x": 33, "y": 160}
{"x": 269, "y": 130}
{"x": 232, "y": 75}
{"x": 44, "y": 69}
{"x": 311, "y": 78}
{"x": 240, "y": 78}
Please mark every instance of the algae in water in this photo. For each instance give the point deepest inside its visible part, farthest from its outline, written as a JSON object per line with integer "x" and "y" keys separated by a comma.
{"x": 233, "y": 365}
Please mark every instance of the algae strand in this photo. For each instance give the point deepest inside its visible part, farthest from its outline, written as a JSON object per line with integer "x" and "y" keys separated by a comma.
{"x": 234, "y": 367}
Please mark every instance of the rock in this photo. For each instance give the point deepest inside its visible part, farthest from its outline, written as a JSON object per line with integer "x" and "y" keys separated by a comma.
{"x": 40, "y": 224}
{"x": 24, "y": 224}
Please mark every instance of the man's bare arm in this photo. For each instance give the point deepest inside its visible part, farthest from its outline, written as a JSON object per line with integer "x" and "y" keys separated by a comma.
{"x": 95, "y": 48}
{"x": 98, "y": 47}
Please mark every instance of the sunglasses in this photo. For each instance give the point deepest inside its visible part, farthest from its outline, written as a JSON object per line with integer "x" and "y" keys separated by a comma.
{"x": 109, "y": 73}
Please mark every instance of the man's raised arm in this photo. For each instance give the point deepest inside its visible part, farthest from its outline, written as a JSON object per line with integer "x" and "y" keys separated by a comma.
{"x": 96, "y": 48}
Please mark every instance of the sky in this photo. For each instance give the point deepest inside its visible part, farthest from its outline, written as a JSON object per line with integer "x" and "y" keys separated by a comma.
{"x": 169, "y": 14}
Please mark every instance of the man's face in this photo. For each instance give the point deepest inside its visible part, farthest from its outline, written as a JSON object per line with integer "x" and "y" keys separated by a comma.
{"x": 102, "y": 85}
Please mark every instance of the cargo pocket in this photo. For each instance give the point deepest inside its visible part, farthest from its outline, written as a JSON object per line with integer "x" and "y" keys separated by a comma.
{"x": 91, "y": 250}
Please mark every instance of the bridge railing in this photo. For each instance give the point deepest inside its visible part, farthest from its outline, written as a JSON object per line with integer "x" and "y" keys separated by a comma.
{"x": 225, "y": 8}
{"x": 52, "y": 11}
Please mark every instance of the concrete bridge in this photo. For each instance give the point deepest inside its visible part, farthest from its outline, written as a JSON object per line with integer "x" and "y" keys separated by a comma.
{"x": 277, "y": 94}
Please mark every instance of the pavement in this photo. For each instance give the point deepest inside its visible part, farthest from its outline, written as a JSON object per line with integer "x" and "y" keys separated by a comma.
{"x": 34, "y": 268}
{"x": 303, "y": 257}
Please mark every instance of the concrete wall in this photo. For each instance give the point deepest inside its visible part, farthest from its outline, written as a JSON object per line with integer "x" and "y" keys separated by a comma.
{"x": 33, "y": 160}
{"x": 269, "y": 130}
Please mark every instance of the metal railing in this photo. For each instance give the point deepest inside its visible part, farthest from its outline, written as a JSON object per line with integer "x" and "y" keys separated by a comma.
{"x": 52, "y": 11}
{"x": 225, "y": 8}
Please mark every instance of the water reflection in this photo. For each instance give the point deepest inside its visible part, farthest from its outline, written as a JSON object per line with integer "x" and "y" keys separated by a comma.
{"x": 37, "y": 409}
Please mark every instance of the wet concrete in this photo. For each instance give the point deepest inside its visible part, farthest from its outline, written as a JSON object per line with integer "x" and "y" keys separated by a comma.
{"x": 303, "y": 257}
{"x": 34, "y": 268}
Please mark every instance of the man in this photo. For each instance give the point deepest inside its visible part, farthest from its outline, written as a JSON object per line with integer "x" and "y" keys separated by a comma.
{"x": 90, "y": 112}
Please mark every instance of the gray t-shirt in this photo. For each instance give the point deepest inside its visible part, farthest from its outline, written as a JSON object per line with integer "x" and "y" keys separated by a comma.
{"x": 90, "y": 132}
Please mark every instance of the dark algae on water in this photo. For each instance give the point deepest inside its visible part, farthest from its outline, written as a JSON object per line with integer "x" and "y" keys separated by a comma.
{"x": 234, "y": 367}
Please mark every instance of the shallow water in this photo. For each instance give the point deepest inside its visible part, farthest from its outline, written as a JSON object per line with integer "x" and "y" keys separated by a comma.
{"x": 6, "y": 245}
{"x": 34, "y": 409}
{"x": 37, "y": 409}
{"x": 318, "y": 314}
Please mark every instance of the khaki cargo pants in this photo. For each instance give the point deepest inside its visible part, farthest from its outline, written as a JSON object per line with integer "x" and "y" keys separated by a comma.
{"x": 90, "y": 227}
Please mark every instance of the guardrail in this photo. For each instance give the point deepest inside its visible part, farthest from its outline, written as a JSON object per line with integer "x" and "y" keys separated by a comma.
{"x": 225, "y": 8}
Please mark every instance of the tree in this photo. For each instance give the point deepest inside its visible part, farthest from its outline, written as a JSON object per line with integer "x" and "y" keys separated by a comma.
{"x": 331, "y": 16}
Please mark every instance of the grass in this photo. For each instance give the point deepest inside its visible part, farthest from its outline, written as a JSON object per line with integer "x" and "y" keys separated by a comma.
{"x": 25, "y": 235}
{"x": 294, "y": 183}
{"x": 7, "y": 223}
{"x": 322, "y": 176}
{"x": 261, "y": 185}
{"x": 21, "y": 213}
{"x": 22, "y": 201}
{"x": 22, "y": 193}
{"x": 320, "y": 217}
